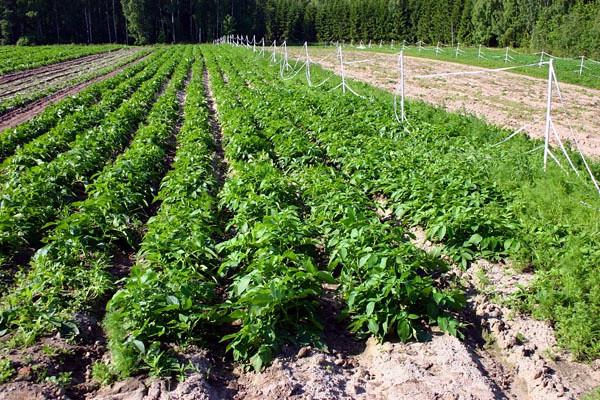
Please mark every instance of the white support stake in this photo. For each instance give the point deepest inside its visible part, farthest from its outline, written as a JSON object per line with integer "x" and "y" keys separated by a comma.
{"x": 457, "y": 50}
{"x": 342, "y": 70}
{"x": 548, "y": 113}
{"x": 273, "y": 57}
{"x": 308, "y": 77}
{"x": 581, "y": 66}
{"x": 402, "y": 117}
{"x": 506, "y": 55}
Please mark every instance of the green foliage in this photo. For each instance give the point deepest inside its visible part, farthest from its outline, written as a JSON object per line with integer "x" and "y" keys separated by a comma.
{"x": 6, "y": 370}
{"x": 445, "y": 175}
{"x": 71, "y": 271}
{"x": 103, "y": 373}
{"x": 170, "y": 293}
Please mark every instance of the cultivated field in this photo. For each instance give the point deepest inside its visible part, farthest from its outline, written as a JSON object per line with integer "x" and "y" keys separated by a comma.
{"x": 203, "y": 224}
{"x": 504, "y": 99}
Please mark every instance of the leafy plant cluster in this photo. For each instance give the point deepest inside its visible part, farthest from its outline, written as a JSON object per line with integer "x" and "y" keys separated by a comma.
{"x": 58, "y": 139}
{"x": 37, "y": 92}
{"x": 12, "y": 138}
{"x": 170, "y": 294}
{"x": 271, "y": 259}
{"x": 443, "y": 173}
{"x": 387, "y": 283}
{"x": 73, "y": 269}
{"x": 35, "y": 197}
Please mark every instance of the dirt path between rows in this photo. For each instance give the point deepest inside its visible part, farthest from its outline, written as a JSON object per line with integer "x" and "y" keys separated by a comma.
{"x": 502, "y": 98}
{"x": 27, "y": 112}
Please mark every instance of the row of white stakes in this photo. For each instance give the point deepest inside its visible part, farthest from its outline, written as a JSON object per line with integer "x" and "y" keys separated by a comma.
{"x": 400, "y": 92}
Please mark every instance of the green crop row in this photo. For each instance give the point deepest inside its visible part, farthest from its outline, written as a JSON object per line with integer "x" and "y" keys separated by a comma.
{"x": 170, "y": 292}
{"x": 387, "y": 283}
{"x": 271, "y": 260}
{"x": 443, "y": 172}
{"x": 58, "y": 139}
{"x": 73, "y": 270}
{"x": 12, "y": 138}
{"x": 36, "y": 197}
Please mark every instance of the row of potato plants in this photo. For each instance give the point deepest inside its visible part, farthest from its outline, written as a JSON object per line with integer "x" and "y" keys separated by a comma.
{"x": 36, "y": 197}
{"x": 482, "y": 200}
{"x": 471, "y": 215}
{"x": 387, "y": 283}
{"x": 444, "y": 173}
{"x": 58, "y": 139}
{"x": 12, "y": 138}
{"x": 29, "y": 95}
{"x": 270, "y": 264}
{"x": 71, "y": 274}
{"x": 18, "y": 58}
{"x": 170, "y": 294}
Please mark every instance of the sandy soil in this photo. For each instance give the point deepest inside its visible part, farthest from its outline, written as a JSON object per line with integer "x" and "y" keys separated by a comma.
{"x": 502, "y": 98}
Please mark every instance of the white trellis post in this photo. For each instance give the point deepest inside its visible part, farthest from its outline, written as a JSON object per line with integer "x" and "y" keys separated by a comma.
{"x": 308, "y": 77}
{"x": 342, "y": 71}
{"x": 479, "y": 52}
{"x": 548, "y": 113}
{"x": 402, "y": 117}
{"x": 263, "y": 47}
{"x": 541, "y": 58}
{"x": 273, "y": 57}
{"x": 392, "y": 44}
{"x": 581, "y": 66}
{"x": 457, "y": 49}
{"x": 369, "y": 44}
{"x": 506, "y": 55}
{"x": 286, "y": 64}
{"x": 254, "y": 43}
{"x": 420, "y": 43}
{"x": 437, "y": 48}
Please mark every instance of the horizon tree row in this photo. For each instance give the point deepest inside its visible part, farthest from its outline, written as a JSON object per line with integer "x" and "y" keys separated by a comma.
{"x": 561, "y": 26}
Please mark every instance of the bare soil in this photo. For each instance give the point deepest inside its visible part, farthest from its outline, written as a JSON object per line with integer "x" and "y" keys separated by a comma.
{"x": 502, "y": 98}
{"x": 19, "y": 115}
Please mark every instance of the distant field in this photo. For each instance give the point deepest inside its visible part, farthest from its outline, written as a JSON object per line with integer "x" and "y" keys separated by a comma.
{"x": 18, "y": 58}
{"x": 567, "y": 69}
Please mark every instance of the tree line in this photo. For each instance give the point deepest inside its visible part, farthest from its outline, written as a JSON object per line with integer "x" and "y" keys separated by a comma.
{"x": 561, "y": 26}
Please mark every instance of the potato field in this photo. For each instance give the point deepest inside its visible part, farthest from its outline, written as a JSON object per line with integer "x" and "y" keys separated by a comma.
{"x": 198, "y": 222}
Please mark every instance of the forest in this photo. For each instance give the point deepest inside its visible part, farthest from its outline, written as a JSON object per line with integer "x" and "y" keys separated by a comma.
{"x": 565, "y": 27}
